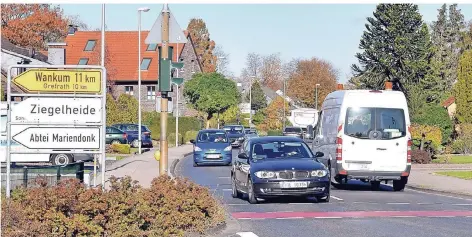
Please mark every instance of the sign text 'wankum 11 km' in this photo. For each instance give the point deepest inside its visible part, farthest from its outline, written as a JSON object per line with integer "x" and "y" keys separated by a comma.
{"x": 60, "y": 81}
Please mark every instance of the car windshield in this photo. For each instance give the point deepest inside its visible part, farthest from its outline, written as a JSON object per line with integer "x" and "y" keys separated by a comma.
{"x": 212, "y": 136}
{"x": 293, "y": 130}
{"x": 272, "y": 150}
{"x": 375, "y": 123}
{"x": 233, "y": 129}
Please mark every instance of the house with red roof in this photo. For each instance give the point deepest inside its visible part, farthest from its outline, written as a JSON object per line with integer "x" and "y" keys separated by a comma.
{"x": 450, "y": 105}
{"x": 121, "y": 62}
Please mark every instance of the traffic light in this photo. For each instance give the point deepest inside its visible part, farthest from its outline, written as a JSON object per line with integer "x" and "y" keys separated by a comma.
{"x": 168, "y": 72}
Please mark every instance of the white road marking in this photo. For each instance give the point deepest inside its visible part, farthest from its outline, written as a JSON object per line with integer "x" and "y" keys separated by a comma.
{"x": 224, "y": 177}
{"x": 425, "y": 203}
{"x": 403, "y": 216}
{"x": 247, "y": 234}
{"x": 328, "y": 217}
{"x": 226, "y": 189}
{"x": 237, "y": 204}
{"x": 398, "y": 203}
{"x": 288, "y": 218}
{"x": 463, "y": 204}
{"x": 339, "y": 199}
{"x": 437, "y": 194}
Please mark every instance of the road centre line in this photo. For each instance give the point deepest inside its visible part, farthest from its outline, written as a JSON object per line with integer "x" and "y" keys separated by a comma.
{"x": 247, "y": 234}
{"x": 337, "y": 198}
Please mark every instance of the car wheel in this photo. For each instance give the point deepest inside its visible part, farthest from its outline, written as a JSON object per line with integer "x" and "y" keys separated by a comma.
{"x": 375, "y": 185}
{"x": 61, "y": 159}
{"x": 251, "y": 196}
{"x": 234, "y": 190}
{"x": 135, "y": 143}
{"x": 399, "y": 185}
{"x": 115, "y": 142}
{"x": 323, "y": 198}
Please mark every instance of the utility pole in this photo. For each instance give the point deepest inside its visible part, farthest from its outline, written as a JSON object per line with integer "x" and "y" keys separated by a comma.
{"x": 316, "y": 96}
{"x": 165, "y": 56}
{"x": 284, "y": 107}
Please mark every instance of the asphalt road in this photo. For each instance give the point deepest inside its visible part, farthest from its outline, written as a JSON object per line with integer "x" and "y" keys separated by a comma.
{"x": 354, "y": 210}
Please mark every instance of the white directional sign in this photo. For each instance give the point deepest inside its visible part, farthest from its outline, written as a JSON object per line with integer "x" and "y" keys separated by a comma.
{"x": 57, "y": 110}
{"x": 176, "y": 34}
{"x": 58, "y": 137}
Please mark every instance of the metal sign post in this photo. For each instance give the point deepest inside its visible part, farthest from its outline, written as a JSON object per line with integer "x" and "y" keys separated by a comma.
{"x": 64, "y": 112}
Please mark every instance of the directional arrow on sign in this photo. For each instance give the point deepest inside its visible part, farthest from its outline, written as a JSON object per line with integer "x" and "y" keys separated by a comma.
{"x": 176, "y": 35}
{"x": 59, "y": 137}
{"x": 60, "y": 81}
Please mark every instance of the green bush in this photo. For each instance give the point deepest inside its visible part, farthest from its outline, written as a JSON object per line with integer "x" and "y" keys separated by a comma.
{"x": 274, "y": 133}
{"x": 436, "y": 115}
{"x": 171, "y": 139}
{"x": 169, "y": 207}
{"x": 121, "y": 148}
{"x": 190, "y": 135}
{"x": 153, "y": 121}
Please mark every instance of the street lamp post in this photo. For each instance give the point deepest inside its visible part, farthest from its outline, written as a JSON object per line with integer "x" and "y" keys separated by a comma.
{"x": 142, "y": 9}
{"x": 250, "y": 100}
{"x": 316, "y": 96}
{"x": 284, "y": 115}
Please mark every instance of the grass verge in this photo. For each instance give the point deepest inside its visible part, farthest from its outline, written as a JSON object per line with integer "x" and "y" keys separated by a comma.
{"x": 457, "y": 174}
{"x": 454, "y": 159}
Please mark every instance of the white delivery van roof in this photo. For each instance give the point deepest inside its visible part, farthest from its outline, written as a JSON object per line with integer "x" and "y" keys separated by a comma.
{"x": 366, "y": 98}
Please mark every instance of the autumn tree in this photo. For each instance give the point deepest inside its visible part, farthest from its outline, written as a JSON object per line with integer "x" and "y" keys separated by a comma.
{"x": 33, "y": 25}
{"x": 302, "y": 83}
{"x": 258, "y": 98}
{"x": 253, "y": 65}
{"x": 204, "y": 46}
{"x": 395, "y": 47}
{"x": 272, "y": 71}
{"x": 463, "y": 88}
{"x": 211, "y": 93}
{"x": 275, "y": 113}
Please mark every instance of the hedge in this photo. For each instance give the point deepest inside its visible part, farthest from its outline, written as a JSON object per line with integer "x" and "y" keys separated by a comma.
{"x": 169, "y": 207}
{"x": 274, "y": 133}
{"x": 189, "y": 135}
{"x": 121, "y": 148}
{"x": 171, "y": 139}
{"x": 153, "y": 120}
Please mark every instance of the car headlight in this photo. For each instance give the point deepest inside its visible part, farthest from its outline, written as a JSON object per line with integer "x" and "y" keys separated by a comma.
{"x": 319, "y": 173}
{"x": 197, "y": 149}
{"x": 241, "y": 138}
{"x": 265, "y": 174}
{"x": 228, "y": 148}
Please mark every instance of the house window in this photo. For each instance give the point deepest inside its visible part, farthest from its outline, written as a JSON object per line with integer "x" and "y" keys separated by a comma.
{"x": 145, "y": 63}
{"x": 151, "y": 93}
{"x": 151, "y": 47}
{"x": 83, "y": 61}
{"x": 129, "y": 90}
{"x": 90, "y": 45}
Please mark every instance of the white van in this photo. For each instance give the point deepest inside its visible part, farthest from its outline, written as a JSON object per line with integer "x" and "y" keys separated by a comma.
{"x": 55, "y": 159}
{"x": 365, "y": 135}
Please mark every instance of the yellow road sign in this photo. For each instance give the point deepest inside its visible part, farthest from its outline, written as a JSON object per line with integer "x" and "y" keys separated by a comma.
{"x": 60, "y": 80}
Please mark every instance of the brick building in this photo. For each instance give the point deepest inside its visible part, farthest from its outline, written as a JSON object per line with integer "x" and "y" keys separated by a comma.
{"x": 121, "y": 62}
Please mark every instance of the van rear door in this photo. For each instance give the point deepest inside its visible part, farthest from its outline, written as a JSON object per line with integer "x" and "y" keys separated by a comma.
{"x": 375, "y": 139}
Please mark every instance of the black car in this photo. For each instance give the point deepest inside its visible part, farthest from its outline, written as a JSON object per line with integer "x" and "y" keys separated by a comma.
{"x": 279, "y": 166}
{"x": 293, "y": 132}
{"x": 235, "y": 134}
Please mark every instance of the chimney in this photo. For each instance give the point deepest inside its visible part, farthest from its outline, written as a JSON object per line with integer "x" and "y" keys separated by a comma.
{"x": 72, "y": 30}
{"x": 388, "y": 86}
{"x": 57, "y": 53}
{"x": 340, "y": 87}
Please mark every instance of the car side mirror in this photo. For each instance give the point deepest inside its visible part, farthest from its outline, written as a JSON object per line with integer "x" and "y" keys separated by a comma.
{"x": 319, "y": 154}
{"x": 192, "y": 141}
{"x": 242, "y": 156}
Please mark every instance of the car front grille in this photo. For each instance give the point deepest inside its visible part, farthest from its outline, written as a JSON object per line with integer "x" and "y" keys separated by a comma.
{"x": 292, "y": 174}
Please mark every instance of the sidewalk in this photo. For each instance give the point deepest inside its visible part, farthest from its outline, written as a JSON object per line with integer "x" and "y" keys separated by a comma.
{"x": 143, "y": 168}
{"x": 423, "y": 177}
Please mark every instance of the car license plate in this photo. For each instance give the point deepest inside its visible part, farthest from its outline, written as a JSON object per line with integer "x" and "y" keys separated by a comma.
{"x": 294, "y": 184}
{"x": 213, "y": 156}
{"x": 359, "y": 166}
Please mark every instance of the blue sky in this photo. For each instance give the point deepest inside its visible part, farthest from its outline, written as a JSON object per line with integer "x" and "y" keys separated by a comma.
{"x": 330, "y": 32}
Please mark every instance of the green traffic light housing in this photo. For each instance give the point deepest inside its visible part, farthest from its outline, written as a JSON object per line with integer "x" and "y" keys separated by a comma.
{"x": 168, "y": 72}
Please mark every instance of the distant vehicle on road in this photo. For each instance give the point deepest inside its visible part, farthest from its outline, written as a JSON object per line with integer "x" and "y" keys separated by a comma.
{"x": 250, "y": 135}
{"x": 115, "y": 136}
{"x": 365, "y": 135}
{"x": 275, "y": 166}
{"x": 293, "y": 132}
{"x": 212, "y": 147}
{"x": 132, "y": 131}
{"x": 235, "y": 134}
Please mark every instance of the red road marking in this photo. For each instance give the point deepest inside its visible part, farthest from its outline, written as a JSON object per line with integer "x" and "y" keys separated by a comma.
{"x": 352, "y": 214}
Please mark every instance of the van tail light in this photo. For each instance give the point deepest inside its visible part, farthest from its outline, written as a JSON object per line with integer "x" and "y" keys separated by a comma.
{"x": 339, "y": 148}
{"x": 408, "y": 153}
{"x": 147, "y": 134}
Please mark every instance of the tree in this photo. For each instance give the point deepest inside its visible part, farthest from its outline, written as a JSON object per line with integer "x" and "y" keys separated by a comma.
{"x": 258, "y": 100}
{"x": 203, "y": 45}
{"x": 435, "y": 115}
{"x": 396, "y": 47}
{"x": 76, "y": 21}
{"x": 222, "y": 61}
{"x": 463, "y": 89}
{"x": 211, "y": 93}
{"x": 272, "y": 71}
{"x": 253, "y": 64}
{"x": 302, "y": 83}
{"x": 33, "y": 25}
{"x": 275, "y": 113}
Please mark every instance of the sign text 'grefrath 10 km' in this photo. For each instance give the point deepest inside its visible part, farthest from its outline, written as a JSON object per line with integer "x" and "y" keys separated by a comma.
{"x": 60, "y": 81}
